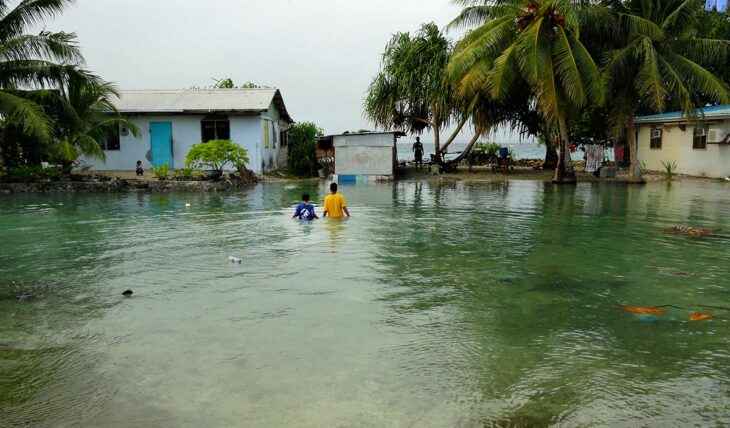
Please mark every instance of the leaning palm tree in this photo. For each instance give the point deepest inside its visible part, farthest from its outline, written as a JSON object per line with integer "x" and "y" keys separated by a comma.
{"x": 531, "y": 41}
{"x": 411, "y": 92}
{"x": 31, "y": 62}
{"x": 657, "y": 62}
{"x": 86, "y": 116}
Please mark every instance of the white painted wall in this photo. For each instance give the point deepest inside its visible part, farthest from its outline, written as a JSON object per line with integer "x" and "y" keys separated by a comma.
{"x": 714, "y": 161}
{"x": 246, "y": 131}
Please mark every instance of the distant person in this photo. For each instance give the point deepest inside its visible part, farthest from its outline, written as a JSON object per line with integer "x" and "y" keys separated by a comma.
{"x": 335, "y": 204}
{"x": 305, "y": 210}
{"x": 418, "y": 152}
{"x": 139, "y": 169}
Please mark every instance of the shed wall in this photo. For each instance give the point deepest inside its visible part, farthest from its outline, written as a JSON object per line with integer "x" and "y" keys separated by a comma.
{"x": 364, "y": 160}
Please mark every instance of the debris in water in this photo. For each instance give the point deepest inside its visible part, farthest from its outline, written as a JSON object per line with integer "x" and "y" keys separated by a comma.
{"x": 645, "y": 310}
{"x": 696, "y": 316}
{"x": 127, "y": 293}
{"x": 235, "y": 260}
{"x": 689, "y": 231}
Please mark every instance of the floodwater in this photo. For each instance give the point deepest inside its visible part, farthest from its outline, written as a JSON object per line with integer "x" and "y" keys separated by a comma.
{"x": 437, "y": 304}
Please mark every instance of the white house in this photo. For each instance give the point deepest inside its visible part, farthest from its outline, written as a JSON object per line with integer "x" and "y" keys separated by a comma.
{"x": 171, "y": 121}
{"x": 699, "y": 146}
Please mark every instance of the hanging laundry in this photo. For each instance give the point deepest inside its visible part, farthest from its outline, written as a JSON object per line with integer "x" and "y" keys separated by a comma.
{"x": 573, "y": 148}
{"x": 721, "y": 6}
{"x": 710, "y": 5}
{"x": 618, "y": 153}
{"x": 594, "y": 157}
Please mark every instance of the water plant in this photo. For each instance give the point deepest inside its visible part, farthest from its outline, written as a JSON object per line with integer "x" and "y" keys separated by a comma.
{"x": 161, "y": 171}
{"x": 670, "y": 169}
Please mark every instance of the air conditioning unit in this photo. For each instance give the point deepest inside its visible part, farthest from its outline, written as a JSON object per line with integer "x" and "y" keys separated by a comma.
{"x": 715, "y": 136}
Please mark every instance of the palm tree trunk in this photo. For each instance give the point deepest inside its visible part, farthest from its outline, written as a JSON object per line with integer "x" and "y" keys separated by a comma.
{"x": 551, "y": 154}
{"x": 564, "y": 172}
{"x": 478, "y": 132}
{"x": 455, "y": 133}
{"x": 634, "y": 168}
{"x": 437, "y": 143}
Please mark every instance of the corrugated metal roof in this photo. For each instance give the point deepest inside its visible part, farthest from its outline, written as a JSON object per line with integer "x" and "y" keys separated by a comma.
{"x": 200, "y": 100}
{"x": 713, "y": 112}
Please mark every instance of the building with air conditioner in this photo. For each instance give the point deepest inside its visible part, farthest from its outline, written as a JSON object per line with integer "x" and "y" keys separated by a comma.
{"x": 700, "y": 146}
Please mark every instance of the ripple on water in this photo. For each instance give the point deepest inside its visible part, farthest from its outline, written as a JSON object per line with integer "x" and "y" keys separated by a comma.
{"x": 437, "y": 304}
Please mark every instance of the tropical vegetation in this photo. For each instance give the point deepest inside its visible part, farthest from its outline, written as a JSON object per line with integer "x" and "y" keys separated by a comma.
{"x": 655, "y": 61}
{"x": 52, "y": 108}
{"x": 558, "y": 70}
{"x": 302, "y": 155}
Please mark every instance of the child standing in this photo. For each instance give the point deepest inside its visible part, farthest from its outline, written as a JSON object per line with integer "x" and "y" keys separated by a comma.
{"x": 305, "y": 210}
{"x": 139, "y": 169}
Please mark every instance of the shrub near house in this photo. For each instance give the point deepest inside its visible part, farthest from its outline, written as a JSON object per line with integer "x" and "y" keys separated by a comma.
{"x": 216, "y": 154}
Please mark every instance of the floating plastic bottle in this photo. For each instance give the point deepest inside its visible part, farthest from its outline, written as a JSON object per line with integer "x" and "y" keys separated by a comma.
{"x": 235, "y": 260}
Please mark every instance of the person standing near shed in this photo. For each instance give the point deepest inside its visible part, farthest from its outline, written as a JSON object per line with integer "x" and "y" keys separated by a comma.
{"x": 335, "y": 204}
{"x": 418, "y": 152}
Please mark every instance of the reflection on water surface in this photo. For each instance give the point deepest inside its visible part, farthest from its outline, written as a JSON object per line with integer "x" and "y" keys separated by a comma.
{"x": 437, "y": 304}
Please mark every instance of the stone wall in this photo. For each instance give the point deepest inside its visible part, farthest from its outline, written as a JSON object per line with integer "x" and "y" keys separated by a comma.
{"x": 116, "y": 185}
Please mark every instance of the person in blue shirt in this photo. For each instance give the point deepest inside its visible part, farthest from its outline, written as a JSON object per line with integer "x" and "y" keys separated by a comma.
{"x": 305, "y": 210}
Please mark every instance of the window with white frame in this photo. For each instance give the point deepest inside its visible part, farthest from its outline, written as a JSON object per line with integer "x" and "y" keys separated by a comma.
{"x": 656, "y": 138}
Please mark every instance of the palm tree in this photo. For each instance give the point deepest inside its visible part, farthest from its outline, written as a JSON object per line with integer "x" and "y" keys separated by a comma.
{"x": 657, "y": 61}
{"x": 531, "y": 41}
{"x": 411, "y": 92}
{"x": 85, "y": 116}
{"x": 33, "y": 62}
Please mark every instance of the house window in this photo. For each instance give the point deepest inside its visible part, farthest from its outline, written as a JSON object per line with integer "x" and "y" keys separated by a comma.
{"x": 110, "y": 142}
{"x": 656, "y": 139}
{"x": 215, "y": 130}
{"x": 699, "y": 142}
{"x": 274, "y": 134}
{"x": 282, "y": 138}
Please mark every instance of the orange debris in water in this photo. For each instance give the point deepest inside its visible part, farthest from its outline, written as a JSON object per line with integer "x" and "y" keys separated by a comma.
{"x": 650, "y": 310}
{"x": 699, "y": 317}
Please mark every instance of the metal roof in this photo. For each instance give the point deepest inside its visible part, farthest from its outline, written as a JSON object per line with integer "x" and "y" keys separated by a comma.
{"x": 201, "y": 101}
{"x": 714, "y": 112}
{"x": 397, "y": 134}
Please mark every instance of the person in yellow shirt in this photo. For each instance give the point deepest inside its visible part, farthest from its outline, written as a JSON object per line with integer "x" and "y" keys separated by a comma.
{"x": 335, "y": 204}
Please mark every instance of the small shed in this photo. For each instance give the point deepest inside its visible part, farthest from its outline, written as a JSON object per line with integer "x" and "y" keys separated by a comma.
{"x": 367, "y": 154}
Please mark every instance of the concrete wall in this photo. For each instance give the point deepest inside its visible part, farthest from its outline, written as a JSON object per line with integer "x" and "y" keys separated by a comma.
{"x": 246, "y": 131}
{"x": 714, "y": 161}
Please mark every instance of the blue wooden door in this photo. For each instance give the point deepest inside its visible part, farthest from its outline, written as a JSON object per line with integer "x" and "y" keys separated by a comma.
{"x": 161, "y": 143}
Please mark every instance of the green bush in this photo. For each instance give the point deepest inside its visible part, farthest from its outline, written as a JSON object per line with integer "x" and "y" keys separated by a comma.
{"x": 216, "y": 154}
{"x": 31, "y": 174}
{"x": 303, "y": 149}
{"x": 161, "y": 171}
{"x": 187, "y": 174}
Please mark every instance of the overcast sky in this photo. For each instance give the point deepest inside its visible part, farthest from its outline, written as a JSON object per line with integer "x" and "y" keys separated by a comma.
{"x": 322, "y": 54}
